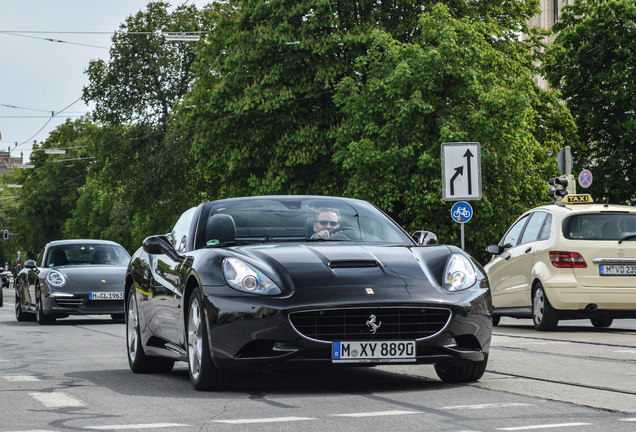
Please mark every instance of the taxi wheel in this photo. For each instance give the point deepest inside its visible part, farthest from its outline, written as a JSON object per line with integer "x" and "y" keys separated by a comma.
{"x": 601, "y": 322}
{"x": 204, "y": 375}
{"x": 544, "y": 316}
{"x": 138, "y": 361}
{"x": 461, "y": 371}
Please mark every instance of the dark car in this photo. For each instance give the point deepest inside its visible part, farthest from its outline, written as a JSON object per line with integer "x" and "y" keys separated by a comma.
{"x": 72, "y": 277}
{"x": 253, "y": 282}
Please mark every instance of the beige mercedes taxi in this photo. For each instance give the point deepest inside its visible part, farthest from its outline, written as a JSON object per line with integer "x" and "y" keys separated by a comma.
{"x": 568, "y": 260}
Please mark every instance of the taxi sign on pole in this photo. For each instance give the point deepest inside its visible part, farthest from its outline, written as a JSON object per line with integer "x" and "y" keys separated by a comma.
{"x": 461, "y": 171}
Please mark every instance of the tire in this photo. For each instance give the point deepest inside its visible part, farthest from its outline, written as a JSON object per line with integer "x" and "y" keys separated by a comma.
{"x": 138, "y": 361}
{"x": 544, "y": 316}
{"x": 204, "y": 375}
{"x": 495, "y": 320}
{"x": 40, "y": 316}
{"x": 20, "y": 315}
{"x": 601, "y": 322}
{"x": 461, "y": 371}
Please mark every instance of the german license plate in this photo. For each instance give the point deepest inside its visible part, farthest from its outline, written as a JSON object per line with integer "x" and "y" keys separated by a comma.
{"x": 618, "y": 269}
{"x": 106, "y": 295}
{"x": 373, "y": 352}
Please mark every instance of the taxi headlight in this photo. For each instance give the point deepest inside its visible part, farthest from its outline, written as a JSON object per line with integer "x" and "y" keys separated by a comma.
{"x": 460, "y": 273}
{"x": 243, "y": 277}
{"x": 56, "y": 279}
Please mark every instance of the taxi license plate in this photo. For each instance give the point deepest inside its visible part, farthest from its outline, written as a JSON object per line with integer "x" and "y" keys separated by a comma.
{"x": 373, "y": 352}
{"x": 618, "y": 269}
{"x": 105, "y": 295}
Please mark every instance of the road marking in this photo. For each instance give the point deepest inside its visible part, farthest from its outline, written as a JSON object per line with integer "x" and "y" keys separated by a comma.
{"x": 486, "y": 406}
{"x": 555, "y": 425}
{"x": 377, "y": 413}
{"x": 56, "y": 400}
{"x": 20, "y": 378}
{"x": 626, "y": 352}
{"x": 136, "y": 426}
{"x": 264, "y": 420}
{"x": 629, "y": 419}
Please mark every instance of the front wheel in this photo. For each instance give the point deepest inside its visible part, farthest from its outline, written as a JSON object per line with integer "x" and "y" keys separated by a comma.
{"x": 40, "y": 316}
{"x": 204, "y": 375}
{"x": 138, "y": 361}
{"x": 461, "y": 371}
{"x": 544, "y": 316}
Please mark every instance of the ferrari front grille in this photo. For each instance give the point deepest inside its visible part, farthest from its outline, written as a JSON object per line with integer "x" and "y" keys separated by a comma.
{"x": 392, "y": 323}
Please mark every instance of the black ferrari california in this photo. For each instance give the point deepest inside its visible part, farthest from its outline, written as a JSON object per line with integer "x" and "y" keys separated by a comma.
{"x": 296, "y": 280}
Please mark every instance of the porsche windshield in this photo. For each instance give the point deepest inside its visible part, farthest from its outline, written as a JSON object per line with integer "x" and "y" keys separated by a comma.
{"x": 86, "y": 254}
{"x": 298, "y": 219}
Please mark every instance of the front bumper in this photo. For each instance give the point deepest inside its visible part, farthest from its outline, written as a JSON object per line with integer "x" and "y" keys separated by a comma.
{"x": 79, "y": 304}
{"x": 244, "y": 335}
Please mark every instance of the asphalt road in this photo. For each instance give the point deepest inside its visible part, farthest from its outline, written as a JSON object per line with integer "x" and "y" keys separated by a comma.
{"x": 74, "y": 375}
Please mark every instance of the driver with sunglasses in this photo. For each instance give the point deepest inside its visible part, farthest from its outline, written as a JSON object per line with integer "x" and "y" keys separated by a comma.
{"x": 325, "y": 221}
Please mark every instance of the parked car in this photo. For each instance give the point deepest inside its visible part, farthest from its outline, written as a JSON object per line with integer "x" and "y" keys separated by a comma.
{"x": 564, "y": 261}
{"x": 284, "y": 280}
{"x": 72, "y": 277}
{"x": 5, "y": 278}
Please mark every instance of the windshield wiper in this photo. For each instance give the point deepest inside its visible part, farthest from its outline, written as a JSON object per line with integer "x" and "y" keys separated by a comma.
{"x": 233, "y": 243}
{"x": 627, "y": 237}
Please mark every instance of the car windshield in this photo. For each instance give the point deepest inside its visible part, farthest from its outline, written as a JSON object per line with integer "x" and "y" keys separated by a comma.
{"x": 600, "y": 226}
{"x": 86, "y": 254}
{"x": 296, "y": 219}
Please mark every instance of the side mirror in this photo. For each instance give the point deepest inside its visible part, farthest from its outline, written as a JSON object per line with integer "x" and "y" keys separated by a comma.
{"x": 30, "y": 264}
{"x": 160, "y": 245}
{"x": 424, "y": 238}
{"x": 494, "y": 249}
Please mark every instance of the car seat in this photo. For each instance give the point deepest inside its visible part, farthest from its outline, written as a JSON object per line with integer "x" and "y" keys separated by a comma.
{"x": 220, "y": 227}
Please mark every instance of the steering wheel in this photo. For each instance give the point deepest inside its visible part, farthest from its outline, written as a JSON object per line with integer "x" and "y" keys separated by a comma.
{"x": 339, "y": 233}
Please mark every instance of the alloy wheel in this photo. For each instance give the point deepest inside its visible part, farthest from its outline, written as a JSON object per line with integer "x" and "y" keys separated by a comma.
{"x": 195, "y": 340}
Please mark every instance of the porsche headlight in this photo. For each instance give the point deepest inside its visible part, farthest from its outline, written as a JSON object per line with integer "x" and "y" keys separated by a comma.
{"x": 460, "y": 273}
{"x": 243, "y": 277}
{"x": 56, "y": 279}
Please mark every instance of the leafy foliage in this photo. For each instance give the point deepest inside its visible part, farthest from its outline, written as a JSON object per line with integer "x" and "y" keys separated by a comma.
{"x": 455, "y": 84}
{"x": 593, "y": 63}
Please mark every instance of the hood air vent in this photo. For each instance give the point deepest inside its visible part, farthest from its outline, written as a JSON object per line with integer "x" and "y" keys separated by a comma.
{"x": 353, "y": 264}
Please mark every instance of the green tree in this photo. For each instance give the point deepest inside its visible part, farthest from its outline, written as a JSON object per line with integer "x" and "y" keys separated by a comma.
{"x": 462, "y": 80}
{"x": 592, "y": 62}
{"x": 138, "y": 177}
{"x": 50, "y": 190}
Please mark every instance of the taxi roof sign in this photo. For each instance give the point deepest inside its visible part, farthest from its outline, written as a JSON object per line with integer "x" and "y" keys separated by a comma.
{"x": 578, "y": 199}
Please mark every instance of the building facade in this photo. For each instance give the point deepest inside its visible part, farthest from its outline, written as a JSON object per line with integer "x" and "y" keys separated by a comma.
{"x": 9, "y": 162}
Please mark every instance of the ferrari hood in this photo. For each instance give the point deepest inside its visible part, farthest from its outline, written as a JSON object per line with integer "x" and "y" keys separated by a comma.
{"x": 393, "y": 272}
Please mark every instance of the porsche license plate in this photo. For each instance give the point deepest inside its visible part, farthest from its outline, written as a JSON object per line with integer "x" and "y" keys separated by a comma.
{"x": 105, "y": 295}
{"x": 373, "y": 351}
{"x": 618, "y": 269}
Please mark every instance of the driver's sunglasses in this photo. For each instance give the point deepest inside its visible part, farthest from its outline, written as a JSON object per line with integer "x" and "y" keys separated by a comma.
{"x": 331, "y": 223}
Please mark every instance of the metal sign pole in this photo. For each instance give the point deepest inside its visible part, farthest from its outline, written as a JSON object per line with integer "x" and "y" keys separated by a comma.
{"x": 462, "y": 225}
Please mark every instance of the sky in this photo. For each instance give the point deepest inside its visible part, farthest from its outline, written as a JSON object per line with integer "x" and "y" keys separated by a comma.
{"x": 41, "y": 81}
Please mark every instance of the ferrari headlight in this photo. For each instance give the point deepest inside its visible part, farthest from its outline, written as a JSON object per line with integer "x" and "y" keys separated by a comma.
{"x": 56, "y": 279}
{"x": 243, "y": 277}
{"x": 460, "y": 273}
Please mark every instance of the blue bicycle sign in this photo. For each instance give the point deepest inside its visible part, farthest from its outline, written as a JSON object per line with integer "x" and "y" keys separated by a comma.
{"x": 461, "y": 212}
